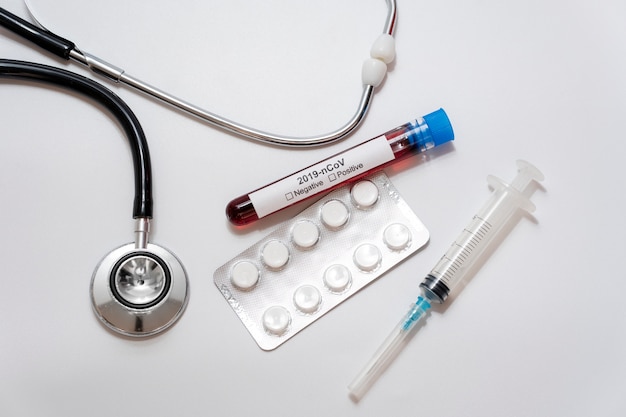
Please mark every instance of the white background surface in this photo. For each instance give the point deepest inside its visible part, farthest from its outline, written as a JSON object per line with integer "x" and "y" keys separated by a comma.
{"x": 539, "y": 331}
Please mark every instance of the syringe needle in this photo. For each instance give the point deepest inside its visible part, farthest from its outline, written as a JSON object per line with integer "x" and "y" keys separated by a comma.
{"x": 390, "y": 348}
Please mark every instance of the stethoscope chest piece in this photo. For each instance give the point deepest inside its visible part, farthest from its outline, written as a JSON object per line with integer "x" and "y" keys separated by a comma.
{"x": 139, "y": 292}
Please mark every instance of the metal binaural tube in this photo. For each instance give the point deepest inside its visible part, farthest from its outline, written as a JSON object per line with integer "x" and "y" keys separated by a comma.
{"x": 67, "y": 50}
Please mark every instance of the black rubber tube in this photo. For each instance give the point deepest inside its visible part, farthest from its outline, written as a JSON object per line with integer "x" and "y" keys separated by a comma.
{"x": 139, "y": 146}
{"x": 47, "y": 40}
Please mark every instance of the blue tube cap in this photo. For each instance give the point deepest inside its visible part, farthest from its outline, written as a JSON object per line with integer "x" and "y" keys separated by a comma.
{"x": 439, "y": 126}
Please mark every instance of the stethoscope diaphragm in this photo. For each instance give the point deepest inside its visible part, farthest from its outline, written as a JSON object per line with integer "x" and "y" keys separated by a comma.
{"x": 139, "y": 292}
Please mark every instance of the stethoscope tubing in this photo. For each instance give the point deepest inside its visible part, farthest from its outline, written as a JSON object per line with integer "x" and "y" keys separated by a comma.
{"x": 143, "y": 200}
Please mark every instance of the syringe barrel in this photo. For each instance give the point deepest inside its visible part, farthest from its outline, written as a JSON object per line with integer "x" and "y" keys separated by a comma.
{"x": 480, "y": 232}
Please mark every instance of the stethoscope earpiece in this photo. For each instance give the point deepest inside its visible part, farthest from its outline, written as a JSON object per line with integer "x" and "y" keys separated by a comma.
{"x": 139, "y": 292}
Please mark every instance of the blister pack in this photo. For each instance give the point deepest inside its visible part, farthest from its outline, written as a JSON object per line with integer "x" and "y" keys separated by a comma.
{"x": 315, "y": 261}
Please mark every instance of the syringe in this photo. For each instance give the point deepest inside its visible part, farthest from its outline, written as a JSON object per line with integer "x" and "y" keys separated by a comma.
{"x": 505, "y": 201}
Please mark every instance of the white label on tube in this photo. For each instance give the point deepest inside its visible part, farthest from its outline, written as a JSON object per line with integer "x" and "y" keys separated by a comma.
{"x": 321, "y": 176}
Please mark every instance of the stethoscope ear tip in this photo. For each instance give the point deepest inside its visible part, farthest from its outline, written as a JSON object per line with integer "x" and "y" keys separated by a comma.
{"x": 139, "y": 292}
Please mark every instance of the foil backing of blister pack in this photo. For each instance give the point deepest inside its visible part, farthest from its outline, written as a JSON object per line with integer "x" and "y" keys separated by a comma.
{"x": 315, "y": 261}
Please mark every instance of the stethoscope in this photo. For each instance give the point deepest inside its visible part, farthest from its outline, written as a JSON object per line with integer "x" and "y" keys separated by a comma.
{"x": 141, "y": 289}
{"x": 373, "y": 73}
